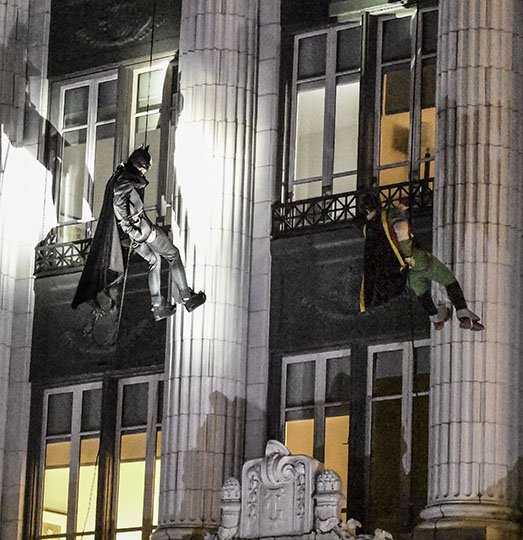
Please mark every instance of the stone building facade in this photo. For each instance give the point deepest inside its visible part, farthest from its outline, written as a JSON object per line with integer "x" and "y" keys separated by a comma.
{"x": 266, "y": 120}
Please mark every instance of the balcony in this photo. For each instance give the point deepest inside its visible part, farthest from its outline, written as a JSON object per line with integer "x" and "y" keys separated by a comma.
{"x": 334, "y": 211}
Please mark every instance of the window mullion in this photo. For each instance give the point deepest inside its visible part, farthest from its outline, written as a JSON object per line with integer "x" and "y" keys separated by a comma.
{"x": 378, "y": 99}
{"x": 43, "y": 454}
{"x": 117, "y": 451}
{"x": 91, "y": 142}
{"x": 406, "y": 405}
{"x": 74, "y": 467}
{"x": 293, "y": 126}
{"x": 152, "y": 407}
{"x": 415, "y": 128}
{"x": 319, "y": 408}
{"x": 330, "y": 112}
{"x": 283, "y": 399}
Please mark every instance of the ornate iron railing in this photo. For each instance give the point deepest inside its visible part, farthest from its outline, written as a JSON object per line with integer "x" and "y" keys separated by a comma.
{"x": 320, "y": 213}
{"x": 332, "y": 211}
{"x": 60, "y": 258}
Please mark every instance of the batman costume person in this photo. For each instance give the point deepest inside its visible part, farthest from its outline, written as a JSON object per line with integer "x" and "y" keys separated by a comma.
{"x": 124, "y": 204}
{"x": 392, "y": 261}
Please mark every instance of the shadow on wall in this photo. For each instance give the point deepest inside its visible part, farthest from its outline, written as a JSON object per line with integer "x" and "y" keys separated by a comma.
{"x": 205, "y": 458}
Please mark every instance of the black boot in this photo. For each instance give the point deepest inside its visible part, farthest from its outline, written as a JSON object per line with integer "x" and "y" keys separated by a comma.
{"x": 163, "y": 311}
{"x": 196, "y": 299}
{"x": 467, "y": 319}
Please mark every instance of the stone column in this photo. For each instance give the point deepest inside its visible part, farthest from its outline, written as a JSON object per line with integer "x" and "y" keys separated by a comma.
{"x": 478, "y": 230}
{"x": 203, "y": 428}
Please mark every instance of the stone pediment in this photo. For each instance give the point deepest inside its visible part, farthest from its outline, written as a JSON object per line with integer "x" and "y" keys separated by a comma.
{"x": 283, "y": 495}
{"x": 277, "y": 493}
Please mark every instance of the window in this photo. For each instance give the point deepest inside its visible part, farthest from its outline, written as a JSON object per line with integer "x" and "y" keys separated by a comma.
{"x": 405, "y": 97}
{"x": 70, "y": 455}
{"x": 87, "y": 124}
{"x": 329, "y": 151}
{"x": 325, "y": 97}
{"x": 397, "y": 434}
{"x": 99, "y": 121}
{"x": 138, "y": 459}
{"x": 315, "y": 413}
{"x": 69, "y": 463}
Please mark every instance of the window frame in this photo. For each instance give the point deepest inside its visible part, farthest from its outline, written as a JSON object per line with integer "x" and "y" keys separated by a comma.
{"x": 416, "y": 60}
{"x": 320, "y": 403}
{"x": 370, "y": 72}
{"x": 127, "y": 77}
{"x": 104, "y": 505}
{"x": 152, "y": 428}
{"x": 75, "y": 436}
{"x": 330, "y": 80}
{"x": 407, "y": 399}
{"x": 59, "y": 89}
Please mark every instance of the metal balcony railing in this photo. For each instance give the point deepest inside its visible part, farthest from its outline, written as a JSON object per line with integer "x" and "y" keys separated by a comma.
{"x": 319, "y": 213}
{"x": 332, "y": 211}
{"x": 60, "y": 258}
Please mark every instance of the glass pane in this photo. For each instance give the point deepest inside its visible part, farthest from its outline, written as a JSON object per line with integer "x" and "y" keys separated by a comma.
{"x": 385, "y": 466}
{"x": 59, "y": 411}
{"x": 68, "y": 233}
{"x": 396, "y": 39}
{"x": 159, "y": 405}
{"x": 395, "y": 116}
{"x": 56, "y": 488}
{"x": 131, "y": 485}
{"x": 152, "y": 125}
{"x": 91, "y": 409}
{"x": 420, "y": 456}
{"x": 428, "y": 84}
{"x": 300, "y": 384}
{"x": 309, "y": 133}
{"x": 346, "y": 127}
{"x": 157, "y": 471}
{"x": 428, "y": 110}
{"x": 299, "y": 436}
{"x": 103, "y": 163}
{"x": 131, "y": 535}
{"x": 311, "y": 56}
{"x": 76, "y": 106}
{"x": 387, "y": 373}
{"x": 342, "y": 184}
{"x": 338, "y": 379}
{"x": 307, "y": 190}
{"x": 430, "y": 32}
{"x": 337, "y": 447}
{"x": 349, "y": 49}
{"x": 150, "y": 89}
{"x": 393, "y": 175}
{"x": 135, "y": 398}
{"x": 421, "y": 369}
{"x": 73, "y": 205}
{"x": 87, "y": 485}
{"x": 106, "y": 101}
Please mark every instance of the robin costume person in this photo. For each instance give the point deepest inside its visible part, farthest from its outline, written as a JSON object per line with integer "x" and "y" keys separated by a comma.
{"x": 400, "y": 256}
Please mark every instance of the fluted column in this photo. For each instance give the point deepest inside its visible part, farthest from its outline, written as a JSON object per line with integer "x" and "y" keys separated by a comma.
{"x": 204, "y": 415}
{"x": 478, "y": 230}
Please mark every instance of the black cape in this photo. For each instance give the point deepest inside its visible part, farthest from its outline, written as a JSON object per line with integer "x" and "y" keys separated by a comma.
{"x": 384, "y": 271}
{"x": 104, "y": 266}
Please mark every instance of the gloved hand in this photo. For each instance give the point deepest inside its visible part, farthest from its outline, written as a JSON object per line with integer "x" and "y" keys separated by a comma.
{"x": 410, "y": 261}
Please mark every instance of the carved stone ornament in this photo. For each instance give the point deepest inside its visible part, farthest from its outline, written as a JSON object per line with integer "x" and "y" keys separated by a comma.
{"x": 230, "y": 509}
{"x": 277, "y": 494}
{"x": 328, "y": 501}
{"x": 114, "y": 24}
